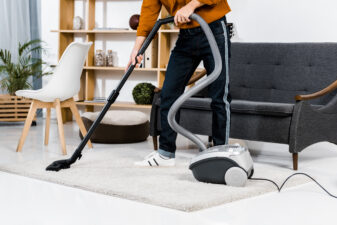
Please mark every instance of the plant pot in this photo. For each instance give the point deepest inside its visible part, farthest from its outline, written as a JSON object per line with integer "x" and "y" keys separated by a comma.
{"x": 14, "y": 108}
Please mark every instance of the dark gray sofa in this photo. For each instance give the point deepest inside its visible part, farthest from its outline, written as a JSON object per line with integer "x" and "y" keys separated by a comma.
{"x": 281, "y": 93}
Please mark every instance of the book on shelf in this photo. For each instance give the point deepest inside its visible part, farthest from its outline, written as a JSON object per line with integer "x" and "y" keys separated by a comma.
{"x": 150, "y": 55}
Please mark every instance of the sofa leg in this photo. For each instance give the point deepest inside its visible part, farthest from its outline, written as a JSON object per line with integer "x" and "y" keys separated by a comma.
{"x": 295, "y": 161}
{"x": 155, "y": 143}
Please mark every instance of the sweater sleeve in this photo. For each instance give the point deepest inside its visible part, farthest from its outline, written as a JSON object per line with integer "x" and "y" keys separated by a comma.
{"x": 209, "y": 2}
{"x": 148, "y": 16}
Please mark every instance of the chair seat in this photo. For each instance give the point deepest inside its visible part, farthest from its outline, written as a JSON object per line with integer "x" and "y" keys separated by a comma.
{"x": 37, "y": 95}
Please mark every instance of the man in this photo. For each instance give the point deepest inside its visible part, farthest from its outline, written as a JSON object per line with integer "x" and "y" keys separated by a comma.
{"x": 191, "y": 47}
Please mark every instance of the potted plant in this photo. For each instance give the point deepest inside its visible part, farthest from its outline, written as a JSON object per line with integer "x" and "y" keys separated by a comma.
{"x": 15, "y": 76}
{"x": 143, "y": 93}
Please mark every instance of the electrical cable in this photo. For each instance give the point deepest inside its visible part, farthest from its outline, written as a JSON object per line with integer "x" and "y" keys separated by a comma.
{"x": 279, "y": 188}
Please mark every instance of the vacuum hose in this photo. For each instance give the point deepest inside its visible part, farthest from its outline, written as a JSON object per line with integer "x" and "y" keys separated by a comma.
{"x": 201, "y": 85}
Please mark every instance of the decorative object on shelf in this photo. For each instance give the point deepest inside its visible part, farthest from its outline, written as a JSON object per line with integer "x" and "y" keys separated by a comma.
{"x": 99, "y": 58}
{"x": 78, "y": 23}
{"x": 118, "y": 127}
{"x": 110, "y": 58}
{"x": 134, "y": 21}
{"x": 143, "y": 93}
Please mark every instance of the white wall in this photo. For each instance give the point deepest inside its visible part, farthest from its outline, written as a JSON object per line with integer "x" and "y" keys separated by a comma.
{"x": 255, "y": 21}
{"x": 284, "y": 20}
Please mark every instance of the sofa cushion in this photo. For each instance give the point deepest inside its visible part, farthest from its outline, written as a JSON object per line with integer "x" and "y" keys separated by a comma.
{"x": 262, "y": 108}
{"x": 242, "y": 106}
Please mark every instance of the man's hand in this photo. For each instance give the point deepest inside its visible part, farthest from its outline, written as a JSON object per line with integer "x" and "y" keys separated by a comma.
{"x": 183, "y": 14}
{"x": 138, "y": 43}
{"x": 132, "y": 59}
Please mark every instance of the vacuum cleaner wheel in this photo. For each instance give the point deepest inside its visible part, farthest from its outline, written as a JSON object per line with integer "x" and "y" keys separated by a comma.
{"x": 236, "y": 177}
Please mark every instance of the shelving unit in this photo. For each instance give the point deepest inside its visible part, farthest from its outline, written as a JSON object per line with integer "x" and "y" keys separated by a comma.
{"x": 66, "y": 36}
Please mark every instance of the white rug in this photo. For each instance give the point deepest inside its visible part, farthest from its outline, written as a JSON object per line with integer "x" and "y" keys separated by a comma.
{"x": 111, "y": 172}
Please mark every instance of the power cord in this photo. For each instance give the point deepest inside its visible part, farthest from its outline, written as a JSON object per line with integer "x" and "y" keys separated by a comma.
{"x": 288, "y": 178}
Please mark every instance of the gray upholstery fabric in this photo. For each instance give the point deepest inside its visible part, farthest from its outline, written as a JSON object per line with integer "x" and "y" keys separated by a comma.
{"x": 262, "y": 108}
{"x": 276, "y": 72}
{"x": 197, "y": 121}
{"x": 197, "y": 103}
{"x": 260, "y": 127}
{"x": 311, "y": 125}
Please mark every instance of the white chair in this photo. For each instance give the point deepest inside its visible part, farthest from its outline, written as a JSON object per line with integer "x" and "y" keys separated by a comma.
{"x": 58, "y": 93}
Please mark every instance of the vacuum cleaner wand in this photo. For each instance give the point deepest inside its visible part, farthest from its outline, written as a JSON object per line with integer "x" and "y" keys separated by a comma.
{"x": 66, "y": 163}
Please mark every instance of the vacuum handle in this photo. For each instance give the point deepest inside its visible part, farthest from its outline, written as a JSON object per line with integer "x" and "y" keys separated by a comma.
{"x": 153, "y": 33}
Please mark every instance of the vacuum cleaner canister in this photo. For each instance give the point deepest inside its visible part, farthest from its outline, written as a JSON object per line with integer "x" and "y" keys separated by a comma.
{"x": 224, "y": 164}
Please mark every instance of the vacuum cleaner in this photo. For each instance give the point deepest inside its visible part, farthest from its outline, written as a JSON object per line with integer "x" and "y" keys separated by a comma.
{"x": 223, "y": 164}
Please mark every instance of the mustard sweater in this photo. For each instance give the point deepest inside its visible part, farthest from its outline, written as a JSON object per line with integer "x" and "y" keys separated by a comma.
{"x": 211, "y": 11}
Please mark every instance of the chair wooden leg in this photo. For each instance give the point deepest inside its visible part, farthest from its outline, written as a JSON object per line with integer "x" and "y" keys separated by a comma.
{"x": 60, "y": 125}
{"x": 28, "y": 123}
{"x": 295, "y": 161}
{"x": 79, "y": 121}
{"x": 155, "y": 143}
{"x": 46, "y": 132}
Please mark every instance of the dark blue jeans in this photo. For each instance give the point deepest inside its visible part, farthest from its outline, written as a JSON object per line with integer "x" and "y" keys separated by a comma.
{"x": 191, "y": 48}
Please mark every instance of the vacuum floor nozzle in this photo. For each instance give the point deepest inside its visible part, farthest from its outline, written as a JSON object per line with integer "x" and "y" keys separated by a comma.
{"x": 59, "y": 165}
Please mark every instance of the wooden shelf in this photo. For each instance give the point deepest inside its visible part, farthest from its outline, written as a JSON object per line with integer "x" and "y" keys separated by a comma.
{"x": 118, "y": 68}
{"x": 96, "y": 31}
{"x": 129, "y": 105}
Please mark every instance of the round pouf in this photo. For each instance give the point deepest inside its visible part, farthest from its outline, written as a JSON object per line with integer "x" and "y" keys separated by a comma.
{"x": 118, "y": 127}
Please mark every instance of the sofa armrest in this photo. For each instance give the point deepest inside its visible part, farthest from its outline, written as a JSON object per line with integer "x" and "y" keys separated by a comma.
{"x": 197, "y": 77}
{"x": 318, "y": 94}
{"x": 193, "y": 79}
